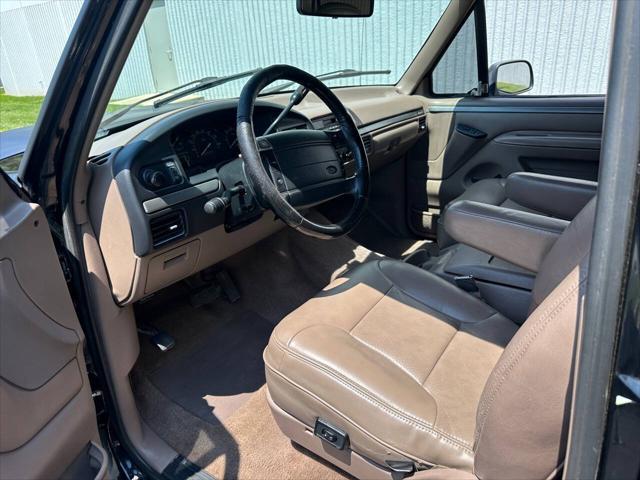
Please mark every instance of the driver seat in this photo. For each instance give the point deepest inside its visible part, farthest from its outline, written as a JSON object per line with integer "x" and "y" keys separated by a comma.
{"x": 414, "y": 373}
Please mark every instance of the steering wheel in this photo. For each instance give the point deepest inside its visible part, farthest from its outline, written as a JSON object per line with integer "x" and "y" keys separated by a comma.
{"x": 296, "y": 169}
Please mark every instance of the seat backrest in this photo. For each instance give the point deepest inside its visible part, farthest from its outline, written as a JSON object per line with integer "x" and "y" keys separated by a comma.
{"x": 522, "y": 420}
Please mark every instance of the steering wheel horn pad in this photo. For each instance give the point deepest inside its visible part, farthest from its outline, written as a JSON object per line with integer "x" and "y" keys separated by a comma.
{"x": 301, "y": 157}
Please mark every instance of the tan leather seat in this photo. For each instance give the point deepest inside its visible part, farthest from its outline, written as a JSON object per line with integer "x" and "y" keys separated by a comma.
{"x": 412, "y": 368}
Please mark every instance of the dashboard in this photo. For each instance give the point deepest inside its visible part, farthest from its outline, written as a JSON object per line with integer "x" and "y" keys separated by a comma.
{"x": 194, "y": 149}
{"x": 150, "y": 183}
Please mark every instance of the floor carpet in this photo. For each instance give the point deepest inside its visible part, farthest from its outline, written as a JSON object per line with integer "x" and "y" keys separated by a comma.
{"x": 206, "y": 397}
{"x": 228, "y": 369}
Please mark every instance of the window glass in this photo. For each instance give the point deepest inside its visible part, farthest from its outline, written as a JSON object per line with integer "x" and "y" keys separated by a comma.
{"x": 457, "y": 71}
{"x": 566, "y": 41}
{"x": 185, "y": 40}
{"x": 33, "y": 34}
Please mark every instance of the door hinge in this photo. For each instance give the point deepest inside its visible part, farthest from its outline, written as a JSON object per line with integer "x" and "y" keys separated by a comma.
{"x": 101, "y": 411}
{"x": 481, "y": 90}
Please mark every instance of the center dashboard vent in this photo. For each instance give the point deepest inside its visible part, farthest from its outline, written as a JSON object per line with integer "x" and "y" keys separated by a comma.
{"x": 167, "y": 227}
{"x": 368, "y": 143}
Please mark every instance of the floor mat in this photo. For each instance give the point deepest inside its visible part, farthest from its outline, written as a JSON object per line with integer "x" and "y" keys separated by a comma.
{"x": 219, "y": 377}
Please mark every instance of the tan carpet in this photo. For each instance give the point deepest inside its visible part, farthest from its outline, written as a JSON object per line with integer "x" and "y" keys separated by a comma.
{"x": 206, "y": 397}
{"x": 248, "y": 445}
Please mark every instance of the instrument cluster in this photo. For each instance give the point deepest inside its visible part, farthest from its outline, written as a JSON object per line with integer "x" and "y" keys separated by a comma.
{"x": 203, "y": 148}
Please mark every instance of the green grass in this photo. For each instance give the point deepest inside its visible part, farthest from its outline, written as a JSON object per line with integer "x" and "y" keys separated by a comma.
{"x": 16, "y": 112}
{"x": 510, "y": 87}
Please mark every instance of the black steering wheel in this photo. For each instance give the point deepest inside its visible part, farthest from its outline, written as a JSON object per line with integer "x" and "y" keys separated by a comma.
{"x": 292, "y": 170}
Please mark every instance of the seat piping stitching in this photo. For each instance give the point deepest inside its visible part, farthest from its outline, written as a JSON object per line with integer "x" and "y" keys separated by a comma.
{"x": 345, "y": 418}
{"x": 370, "y": 309}
{"x": 511, "y": 222}
{"x": 385, "y": 355}
{"x": 390, "y": 409}
{"x": 523, "y": 346}
{"x": 439, "y": 357}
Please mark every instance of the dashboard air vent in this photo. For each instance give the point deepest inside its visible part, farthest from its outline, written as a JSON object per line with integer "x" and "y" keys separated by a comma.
{"x": 368, "y": 143}
{"x": 167, "y": 227}
{"x": 100, "y": 159}
{"x": 422, "y": 124}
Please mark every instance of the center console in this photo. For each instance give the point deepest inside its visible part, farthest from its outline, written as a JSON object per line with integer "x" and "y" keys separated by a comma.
{"x": 500, "y": 250}
{"x": 502, "y": 285}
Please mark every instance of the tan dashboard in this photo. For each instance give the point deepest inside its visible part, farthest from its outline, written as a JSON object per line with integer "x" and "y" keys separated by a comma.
{"x": 389, "y": 122}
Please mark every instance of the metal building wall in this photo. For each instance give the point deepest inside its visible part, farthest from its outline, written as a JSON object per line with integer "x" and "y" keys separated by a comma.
{"x": 204, "y": 46}
{"x": 136, "y": 77}
{"x": 567, "y": 41}
{"x": 32, "y": 39}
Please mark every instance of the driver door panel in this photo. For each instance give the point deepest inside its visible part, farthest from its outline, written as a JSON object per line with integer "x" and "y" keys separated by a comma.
{"x": 48, "y": 419}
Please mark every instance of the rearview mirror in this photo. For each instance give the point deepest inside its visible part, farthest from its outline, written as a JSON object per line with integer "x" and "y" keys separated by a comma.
{"x": 335, "y": 8}
{"x": 510, "y": 78}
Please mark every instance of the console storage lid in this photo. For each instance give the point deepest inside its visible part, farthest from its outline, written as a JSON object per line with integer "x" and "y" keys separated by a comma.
{"x": 520, "y": 238}
{"x": 559, "y": 197}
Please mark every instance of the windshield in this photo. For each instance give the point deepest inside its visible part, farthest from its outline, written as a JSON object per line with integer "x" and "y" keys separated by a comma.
{"x": 182, "y": 41}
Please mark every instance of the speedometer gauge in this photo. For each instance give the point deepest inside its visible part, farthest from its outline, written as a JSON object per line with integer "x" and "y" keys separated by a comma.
{"x": 205, "y": 142}
{"x": 230, "y": 137}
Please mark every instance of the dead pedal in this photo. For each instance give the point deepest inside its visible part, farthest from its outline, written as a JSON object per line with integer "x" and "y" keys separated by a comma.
{"x": 204, "y": 295}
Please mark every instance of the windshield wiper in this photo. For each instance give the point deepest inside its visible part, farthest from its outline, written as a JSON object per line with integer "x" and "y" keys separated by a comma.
{"x": 128, "y": 108}
{"x": 204, "y": 84}
{"x": 344, "y": 73}
{"x": 198, "y": 85}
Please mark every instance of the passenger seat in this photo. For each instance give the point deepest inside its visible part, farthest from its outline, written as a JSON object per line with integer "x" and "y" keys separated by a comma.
{"x": 553, "y": 196}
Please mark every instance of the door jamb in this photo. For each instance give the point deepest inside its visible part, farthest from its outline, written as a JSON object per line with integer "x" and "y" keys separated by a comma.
{"x": 619, "y": 184}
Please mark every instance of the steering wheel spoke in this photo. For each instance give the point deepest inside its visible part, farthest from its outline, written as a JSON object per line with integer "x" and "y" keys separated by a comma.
{"x": 296, "y": 169}
{"x": 319, "y": 193}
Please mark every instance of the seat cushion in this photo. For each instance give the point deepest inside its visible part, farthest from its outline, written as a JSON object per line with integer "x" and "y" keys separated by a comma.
{"x": 493, "y": 192}
{"x": 394, "y": 356}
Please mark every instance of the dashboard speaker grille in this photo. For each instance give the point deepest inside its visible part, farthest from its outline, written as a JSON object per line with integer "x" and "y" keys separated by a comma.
{"x": 167, "y": 227}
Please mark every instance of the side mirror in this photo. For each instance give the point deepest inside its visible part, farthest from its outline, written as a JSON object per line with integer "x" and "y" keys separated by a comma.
{"x": 510, "y": 78}
{"x": 335, "y": 8}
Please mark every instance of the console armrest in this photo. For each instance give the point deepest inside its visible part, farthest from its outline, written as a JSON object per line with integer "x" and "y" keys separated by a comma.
{"x": 521, "y": 238}
{"x": 559, "y": 197}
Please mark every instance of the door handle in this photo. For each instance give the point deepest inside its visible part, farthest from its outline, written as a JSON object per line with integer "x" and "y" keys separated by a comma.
{"x": 469, "y": 131}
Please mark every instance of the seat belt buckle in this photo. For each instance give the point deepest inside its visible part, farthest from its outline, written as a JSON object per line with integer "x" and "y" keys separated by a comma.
{"x": 466, "y": 283}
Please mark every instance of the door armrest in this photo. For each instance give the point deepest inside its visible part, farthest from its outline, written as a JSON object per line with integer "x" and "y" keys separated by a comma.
{"x": 521, "y": 238}
{"x": 559, "y": 197}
